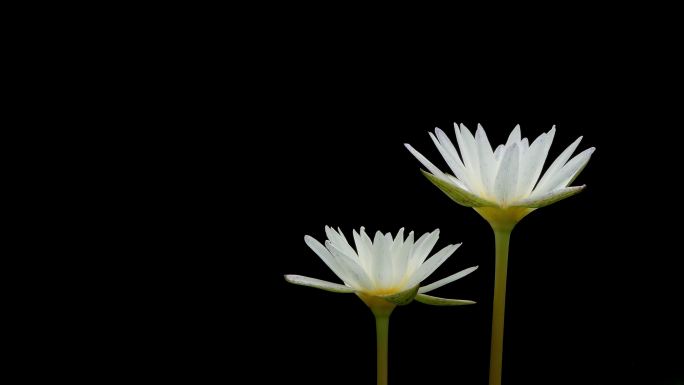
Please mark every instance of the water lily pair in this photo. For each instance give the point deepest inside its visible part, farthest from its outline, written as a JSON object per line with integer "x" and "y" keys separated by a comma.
{"x": 503, "y": 185}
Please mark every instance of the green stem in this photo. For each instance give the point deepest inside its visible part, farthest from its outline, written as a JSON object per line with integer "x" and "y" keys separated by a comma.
{"x": 501, "y": 237}
{"x": 382, "y": 332}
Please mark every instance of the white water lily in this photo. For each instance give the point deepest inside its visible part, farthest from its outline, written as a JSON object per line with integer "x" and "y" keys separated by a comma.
{"x": 506, "y": 178}
{"x": 387, "y": 268}
{"x": 503, "y": 186}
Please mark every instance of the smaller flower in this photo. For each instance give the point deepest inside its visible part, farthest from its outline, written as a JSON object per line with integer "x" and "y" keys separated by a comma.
{"x": 385, "y": 271}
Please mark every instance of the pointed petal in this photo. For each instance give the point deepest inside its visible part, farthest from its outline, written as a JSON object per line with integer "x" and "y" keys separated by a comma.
{"x": 421, "y": 250}
{"x": 437, "y": 301}
{"x": 318, "y": 284}
{"x": 326, "y": 257}
{"x": 381, "y": 266}
{"x": 549, "y": 198}
{"x": 514, "y": 137}
{"x": 499, "y": 153}
{"x": 473, "y": 165}
{"x": 432, "y": 264}
{"x": 559, "y": 162}
{"x": 340, "y": 241}
{"x": 506, "y": 182}
{"x": 566, "y": 174}
{"x": 469, "y": 156}
{"x": 398, "y": 255}
{"x": 533, "y": 162}
{"x": 457, "y": 194}
{"x": 355, "y": 275}
{"x": 524, "y": 146}
{"x": 403, "y": 255}
{"x": 424, "y": 161}
{"x": 447, "y": 280}
{"x": 363, "y": 248}
{"x": 455, "y": 166}
{"x": 488, "y": 164}
{"x": 449, "y": 146}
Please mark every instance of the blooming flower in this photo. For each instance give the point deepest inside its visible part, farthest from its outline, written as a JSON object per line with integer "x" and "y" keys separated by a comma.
{"x": 503, "y": 184}
{"x": 384, "y": 268}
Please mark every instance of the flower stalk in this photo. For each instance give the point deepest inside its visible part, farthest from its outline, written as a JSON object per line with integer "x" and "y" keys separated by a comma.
{"x": 382, "y": 334}
{"x": 501, "y": 238}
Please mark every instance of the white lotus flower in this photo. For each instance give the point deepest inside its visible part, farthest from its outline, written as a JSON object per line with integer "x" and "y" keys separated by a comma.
{"x": 385, "y": 268}
{"x": 506, "y": 178}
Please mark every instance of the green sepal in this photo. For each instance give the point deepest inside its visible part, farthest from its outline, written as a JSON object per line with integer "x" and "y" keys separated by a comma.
{"x": 403, "y": 298}
{"x": 457, "y": 194}
{"x": 437, "y": 301}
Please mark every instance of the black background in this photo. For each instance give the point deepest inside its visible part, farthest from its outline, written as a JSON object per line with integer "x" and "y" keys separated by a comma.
{"x": 593, "y": 291}
{"x": 296, "y": 133}
{"x": 224, "y": 143}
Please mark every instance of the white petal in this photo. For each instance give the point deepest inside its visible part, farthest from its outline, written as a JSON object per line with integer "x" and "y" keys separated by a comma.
{"x": 449, "y": 146}
{"x": 431, "y": 265}
{"x": 398, "y": 256}
{"x": 424, "y": 161}
{"x": 363, "y": 248}
{"x": 499, "y": 152}
{"x": 356, "y": 277}
{"x": 421, "y": 250}
{"x": 447, "y": 280}
{"x": 514, "y": 137}
{"x": 399, "y": 238}
{"x": 318, "y": 284}
{"x": 381, "y": 266}
{"x": 488, "y": 164}
{"x": 506, "y": 182}
{"x": 554, "y": 167}
{"x": 524, "y": 146}
{"x": 568, "y": 173}
{"x": 326, "y": 257}
{"x": 340, "y": 241}
{"x": 466, "y": 143}
{"x": 455, "y": 166}
{"x": 533, "y": 162}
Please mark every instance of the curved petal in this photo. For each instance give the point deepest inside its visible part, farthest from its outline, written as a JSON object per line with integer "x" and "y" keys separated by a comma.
{"x": 325, "y": 256}
{"x": 354, "y": 273}
{"x": 533, "y": 162}
{"x": 459, "y": 169}
{"x": 567, "y": 173}
{"x": 456, "y": 166}
{"x": 514, "y": 137}
{"x": 338, "y": 239}
{"x": 541, "y": 187}
{"x": 318, "y": 284}
{"x": 430, "y": 300}
{"x": 433, "y": 169}
{"x": 447, "y": 280}
{"x": 421, "y": 250}
{"x": 432, "y": 264}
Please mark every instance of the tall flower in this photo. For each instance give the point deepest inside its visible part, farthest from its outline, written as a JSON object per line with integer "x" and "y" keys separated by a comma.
{"x": 384, "y": 272}
{"x": 503, "y": 186}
